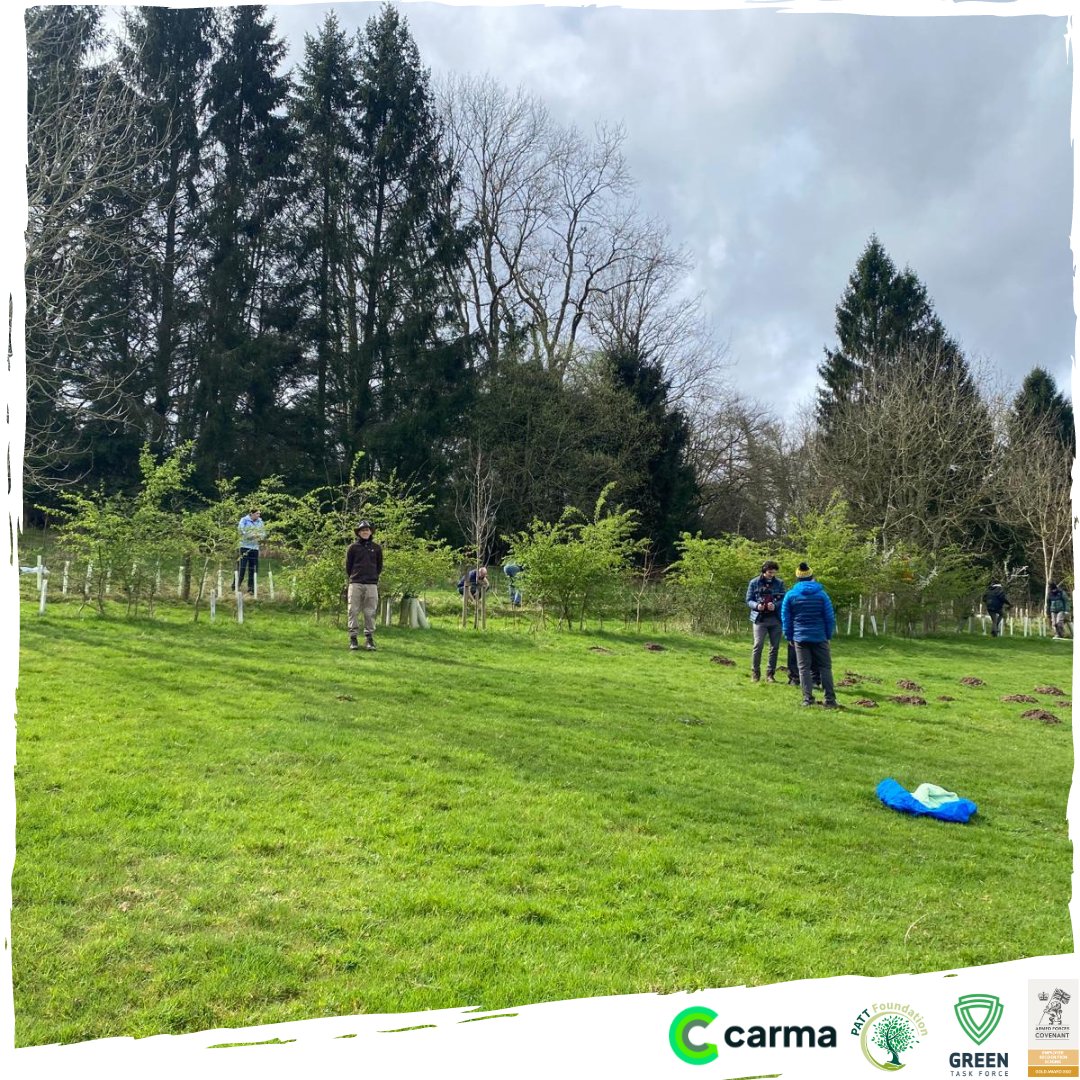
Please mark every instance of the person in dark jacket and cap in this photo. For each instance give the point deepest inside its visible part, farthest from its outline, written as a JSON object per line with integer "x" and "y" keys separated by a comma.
{"x": 996, "y": 602}
{"x": 363, "y": 565}
{"x": 809, "y": 622}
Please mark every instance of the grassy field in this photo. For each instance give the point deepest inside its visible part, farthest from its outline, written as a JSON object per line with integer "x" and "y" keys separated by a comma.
{"x": 226, "y": 825}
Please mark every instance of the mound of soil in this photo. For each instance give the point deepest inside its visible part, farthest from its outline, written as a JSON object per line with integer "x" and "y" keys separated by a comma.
{"x": 970, "y": 680}
{"x": 860, "y": 678}
{"x": 600, "y": 648}
{"x": 945, "y": 697}
{"x": 1053, "y": 691}
{"x": 907, "y": 684}
{"x": 847, "y": 680}
{"x": 866, "y": 703}
{"x": 653, "y": 647}
{"x": 1025, "y": 698}
{"x": 726, "y": 661}
{"x": 1041, "y": 714}
{"x": 908, "y": 699}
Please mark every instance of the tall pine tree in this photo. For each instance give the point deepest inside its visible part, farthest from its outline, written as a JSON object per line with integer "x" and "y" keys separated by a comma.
{"x": 885, "y": 317}
{"x": 166, "y": 56}
{"x": 243, "y": 364}
{"x": 406, "y": 377}
{"x": 324, "y": 111}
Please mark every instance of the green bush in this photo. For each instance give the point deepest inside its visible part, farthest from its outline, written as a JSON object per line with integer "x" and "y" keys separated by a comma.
{"x": 710, "y": 579}
{"x": 575, "y": 567}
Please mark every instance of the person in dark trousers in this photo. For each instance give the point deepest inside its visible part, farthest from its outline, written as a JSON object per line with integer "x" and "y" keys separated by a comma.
{"x": 252, "y": 530}
{"x": 363, "y": 565}
{"x": 764, "y": 595}
{"x": 809, "y": 622}
{"x": 1057, "y": 608}
{"x": 996, "y": 602}
{"x": 793, "y": 669}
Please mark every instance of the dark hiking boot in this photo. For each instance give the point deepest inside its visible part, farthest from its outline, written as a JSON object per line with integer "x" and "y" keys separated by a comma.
{"x": 755, "y": 676}
{"x": 369, "y": 643}
{"x": 353, "y": 643}
{"x": 832, "y": 704}
{"x": 807, "y": 704}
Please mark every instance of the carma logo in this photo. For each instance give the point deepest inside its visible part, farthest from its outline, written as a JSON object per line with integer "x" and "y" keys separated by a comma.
{"x": 689, "y": 1020}
{"x": 752, "y": 1038}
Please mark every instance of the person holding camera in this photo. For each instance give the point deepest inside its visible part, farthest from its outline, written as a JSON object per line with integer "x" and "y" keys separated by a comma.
{"x": 764, "y": 596}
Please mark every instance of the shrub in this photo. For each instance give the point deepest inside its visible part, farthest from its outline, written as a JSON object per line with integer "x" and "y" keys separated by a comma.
{"x": 575, "y": 566}
{"x": 710, "y": 579}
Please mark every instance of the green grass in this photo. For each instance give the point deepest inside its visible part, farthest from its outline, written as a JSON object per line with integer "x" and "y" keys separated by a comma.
{"x": 228, "y": 825}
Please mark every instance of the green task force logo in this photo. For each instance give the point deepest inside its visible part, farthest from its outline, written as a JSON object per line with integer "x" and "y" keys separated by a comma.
{"x": 886, "y": 1032}
{"x": 979, "y": 1016}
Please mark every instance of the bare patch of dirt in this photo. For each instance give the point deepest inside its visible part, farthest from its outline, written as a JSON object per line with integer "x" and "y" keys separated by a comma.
{"x": 860, "y": 678}
{"x": 866, "y": 703}
{"x": 1027, "y": 699}
{"x": 945, "y": 697}
{"x": 907, "y": 684}
{"x": 908, "y": 699}
{"x": 1041, "y": 714}
{"x": 345, "y": 697}
{"x": 725, "y": 660}
{"x": 1053, "y": 691}
{"x": 600, "y": 649}
{"x": 970, "y": 680}
{"x": 653, "y": 647}
{"x": 847, "y": 680}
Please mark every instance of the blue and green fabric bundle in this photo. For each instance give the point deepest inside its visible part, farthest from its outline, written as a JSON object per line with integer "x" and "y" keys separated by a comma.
{"x": 927, "y": 800}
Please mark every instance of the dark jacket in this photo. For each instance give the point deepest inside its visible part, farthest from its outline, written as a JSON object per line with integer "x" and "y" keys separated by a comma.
{"x": 363, "y": 563}
{"x": 1057, "y": 600}
{"x": 995, "y": 599}
{"x": 758, "y": 590}
{"x": 807, "y": 612}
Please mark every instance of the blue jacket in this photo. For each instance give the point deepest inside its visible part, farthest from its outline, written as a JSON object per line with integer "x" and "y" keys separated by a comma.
{"x": 807, "y": 612}
{"x": 251, "y": 532}
{"x": 755, "y": 590}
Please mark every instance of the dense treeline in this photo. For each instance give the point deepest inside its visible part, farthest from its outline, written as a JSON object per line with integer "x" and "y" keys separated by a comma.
{"x": 284, "y": 270}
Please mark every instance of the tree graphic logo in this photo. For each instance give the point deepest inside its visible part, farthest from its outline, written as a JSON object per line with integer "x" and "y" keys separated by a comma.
{"x": 979, "y": 1016}
{"x": 885, "y": 1037}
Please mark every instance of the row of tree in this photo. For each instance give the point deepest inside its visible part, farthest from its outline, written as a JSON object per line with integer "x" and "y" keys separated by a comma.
{"x": 579, "y": 568}
{"x": 287, "y": 269}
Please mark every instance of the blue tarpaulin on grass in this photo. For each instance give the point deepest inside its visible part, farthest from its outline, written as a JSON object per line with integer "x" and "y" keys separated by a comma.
{"x": 897, "y": 798}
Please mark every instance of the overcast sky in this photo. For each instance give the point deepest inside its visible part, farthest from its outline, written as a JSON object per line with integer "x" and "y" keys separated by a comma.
{"x": 775, "y": 144}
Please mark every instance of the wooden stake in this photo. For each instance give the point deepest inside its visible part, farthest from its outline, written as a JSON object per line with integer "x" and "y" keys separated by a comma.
{"x": 64, "y": 586}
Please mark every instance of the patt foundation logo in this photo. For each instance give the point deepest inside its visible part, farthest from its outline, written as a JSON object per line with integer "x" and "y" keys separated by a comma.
{"x": 1053, "y": 1031}
{"x": 888, "y": 1034}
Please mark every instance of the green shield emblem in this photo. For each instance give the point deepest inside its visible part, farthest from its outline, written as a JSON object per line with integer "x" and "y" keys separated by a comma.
{"x": 979, "y": 1029}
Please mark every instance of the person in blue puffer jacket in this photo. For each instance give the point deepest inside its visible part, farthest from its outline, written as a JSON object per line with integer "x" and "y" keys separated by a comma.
{"x": 809, "y": 622}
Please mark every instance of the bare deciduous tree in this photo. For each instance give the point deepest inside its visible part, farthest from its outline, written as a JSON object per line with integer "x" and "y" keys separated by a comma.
{"x": 1031, "y": 482}
{"x": 912, "y": 455}
{"x": 86, "y": 148}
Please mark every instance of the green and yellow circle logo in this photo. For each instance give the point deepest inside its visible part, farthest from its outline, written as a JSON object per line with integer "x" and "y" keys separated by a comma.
{"x": 885, "y": 1036}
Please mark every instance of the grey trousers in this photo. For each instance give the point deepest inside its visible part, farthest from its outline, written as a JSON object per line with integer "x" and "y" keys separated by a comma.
{"x": 763, "y": 628}
{"x": 815, "y": 655}
{"x": 363, "y": 598}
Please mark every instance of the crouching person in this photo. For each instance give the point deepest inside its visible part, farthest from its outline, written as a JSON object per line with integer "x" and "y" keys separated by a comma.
{"x": 809, "y": 622}
{"x": 363, "y": 565}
